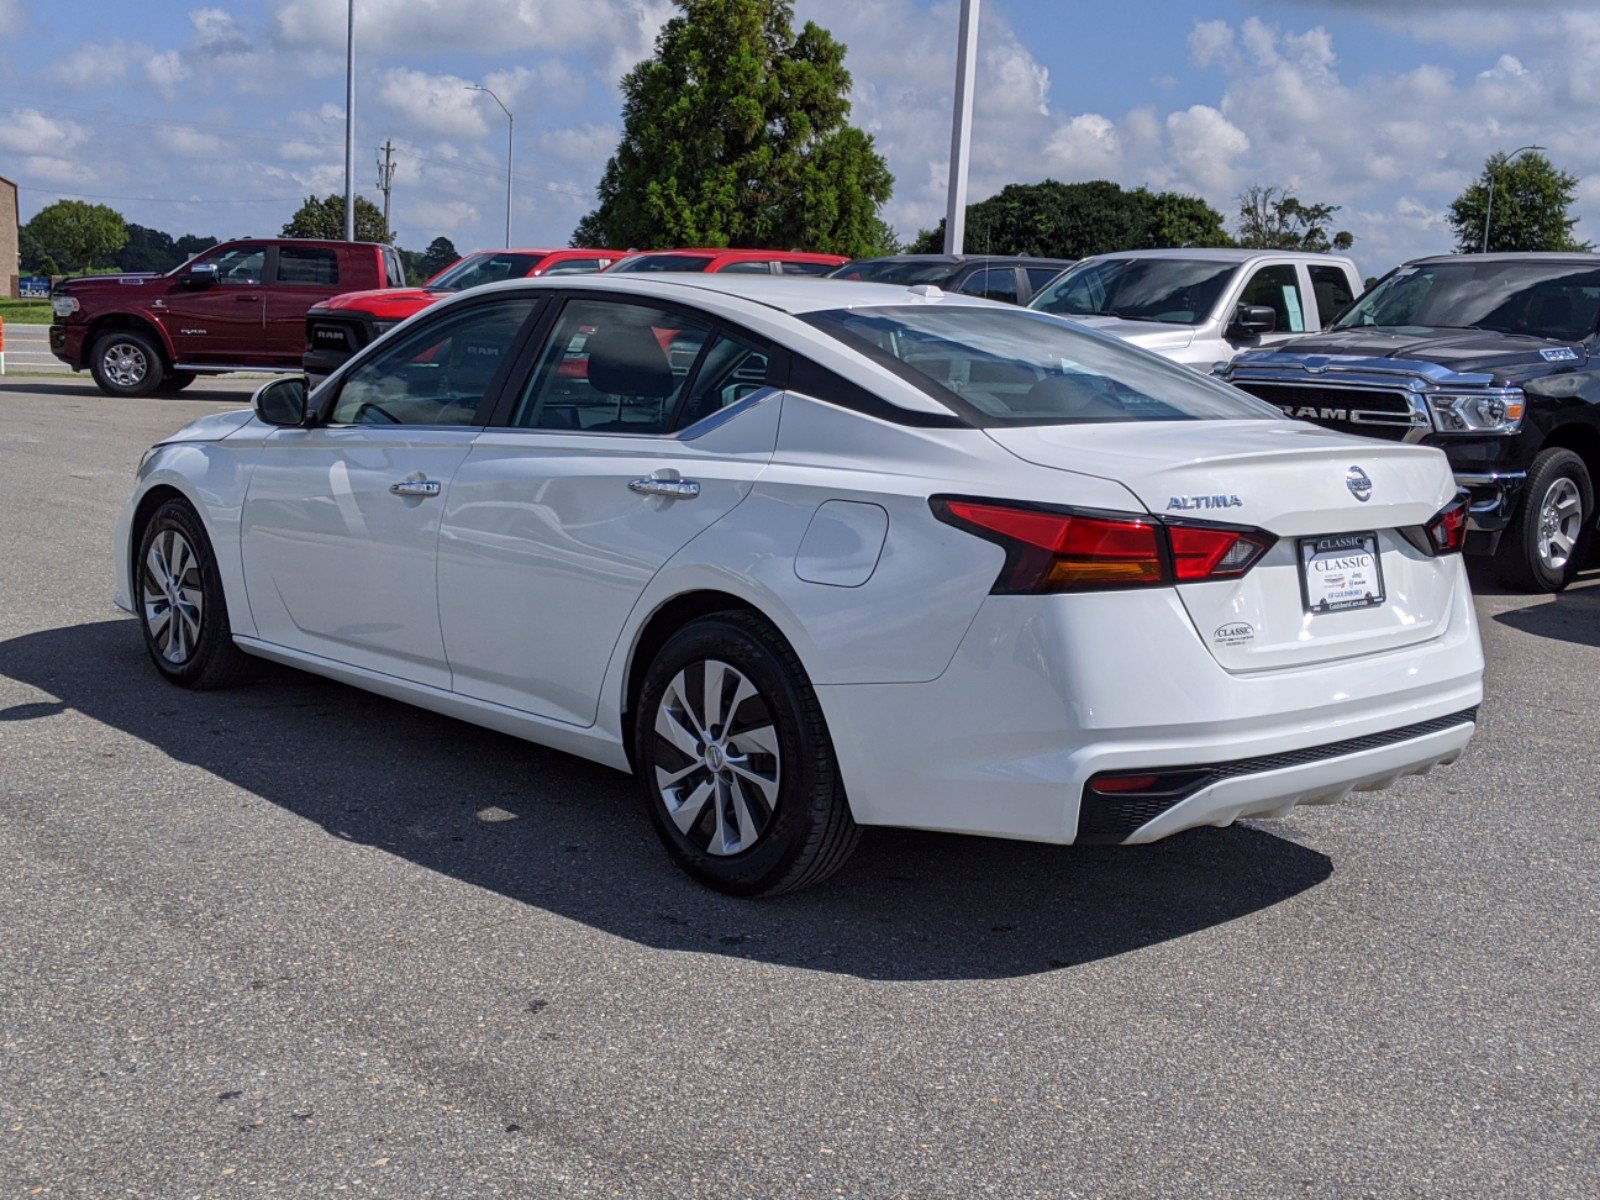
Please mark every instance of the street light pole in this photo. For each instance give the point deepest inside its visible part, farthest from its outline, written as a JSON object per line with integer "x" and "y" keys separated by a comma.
{"x": 350, "y": 126}
{"x": 955, "y": 221}
{"x": 1488, "y": 209}
{"x": 511, "y": 128}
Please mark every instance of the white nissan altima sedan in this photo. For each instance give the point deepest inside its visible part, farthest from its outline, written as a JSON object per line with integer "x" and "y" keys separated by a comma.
{"x": 806, "y": 557}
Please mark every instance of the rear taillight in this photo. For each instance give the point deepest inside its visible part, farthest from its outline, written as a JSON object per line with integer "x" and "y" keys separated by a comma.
{"x": 1064, "y": 550}
{"x": 1447, "y": 532}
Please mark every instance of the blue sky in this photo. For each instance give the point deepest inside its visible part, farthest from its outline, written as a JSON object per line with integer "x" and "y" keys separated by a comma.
{"x": 218, "y": 118}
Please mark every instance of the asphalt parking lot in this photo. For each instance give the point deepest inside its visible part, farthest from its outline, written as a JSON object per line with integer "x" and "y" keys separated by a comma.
{"x": 296, "y": 940}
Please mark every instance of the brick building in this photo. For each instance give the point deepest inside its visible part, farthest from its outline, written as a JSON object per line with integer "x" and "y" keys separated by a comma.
{"x": 9, "y": 247}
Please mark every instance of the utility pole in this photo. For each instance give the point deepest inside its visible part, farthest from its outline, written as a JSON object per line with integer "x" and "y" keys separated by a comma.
{"x": 386, "y": 180}
{"x": 350, "y": 126}
{"x": 955, "y": 221}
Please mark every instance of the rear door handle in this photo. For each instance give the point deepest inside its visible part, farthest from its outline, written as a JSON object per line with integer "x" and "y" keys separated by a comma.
{"x": 247, "y": 299}
{"x": 673, "y": 489}
{"x": 415, "y": 487}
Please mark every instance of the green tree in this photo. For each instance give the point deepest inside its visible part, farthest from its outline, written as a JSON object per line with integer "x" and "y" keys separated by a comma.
{"x": 1074, "y": 220}
{"x": 77, "y": 234}
{"x": 441, "y": 252}
{"x": 1271, "y": 219}
{"x": 34, "y": 256}
{"x": 1532, "y": 202}
{"x": 324, "y": 218}
{"x": 735, "y": 134}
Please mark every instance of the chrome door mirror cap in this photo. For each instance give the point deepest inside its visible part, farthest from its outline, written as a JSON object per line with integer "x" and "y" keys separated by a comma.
{"x": 282, "y": 401}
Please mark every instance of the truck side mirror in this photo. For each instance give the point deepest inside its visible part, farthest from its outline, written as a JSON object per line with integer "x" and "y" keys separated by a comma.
{"x": 203, "y": 274}
{"x": 282, "y": 402}
{"x": 1252, "y": 320}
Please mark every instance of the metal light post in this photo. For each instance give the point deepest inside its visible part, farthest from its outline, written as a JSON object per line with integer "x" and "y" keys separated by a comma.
{"x": 511, "y": 128}
{"x": 955, "y": 221}
{"x": 350, "y": 126}
{"x": 1488, "y": 209}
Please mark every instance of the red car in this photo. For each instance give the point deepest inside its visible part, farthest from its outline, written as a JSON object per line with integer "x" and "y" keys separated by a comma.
{"x": 338, "y": 327}
{"x": 739, "y": 262}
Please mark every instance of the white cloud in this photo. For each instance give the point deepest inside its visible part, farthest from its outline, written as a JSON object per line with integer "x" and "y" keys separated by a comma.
{"x": 31, "y": 132}
{"x": 583, "y": 147}
{"x": 93, "y": 66}
{"x": 190, "y": 143}
{"x": 166, "y": 71}
{"x": 435, "y": 26}
{"x": 438, "y": 104}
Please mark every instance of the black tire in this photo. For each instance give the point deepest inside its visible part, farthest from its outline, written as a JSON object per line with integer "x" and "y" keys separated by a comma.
{"x": 203, "y": 660}
{"x": 174, "y": 382}
{"x": 125, "y": 362}
{"x": 1527, "y": 559}
{"x": 807, "y": 832}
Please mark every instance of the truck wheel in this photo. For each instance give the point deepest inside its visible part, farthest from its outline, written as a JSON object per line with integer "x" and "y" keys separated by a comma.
{"x": 1542, "y": 549}
{"x": 174, "y": 383}
{"x": 126, "y": 363}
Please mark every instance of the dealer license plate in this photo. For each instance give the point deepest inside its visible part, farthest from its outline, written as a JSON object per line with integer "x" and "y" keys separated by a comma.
{"x": 1340, "y": 571}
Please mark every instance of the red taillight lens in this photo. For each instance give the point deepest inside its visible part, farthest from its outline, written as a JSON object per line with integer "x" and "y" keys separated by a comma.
{"x": 1447, "y": 532}
{"x": 1049, "y": 551}
{"x": 1205, "y": 552}
{"x": 1054, "y": 550}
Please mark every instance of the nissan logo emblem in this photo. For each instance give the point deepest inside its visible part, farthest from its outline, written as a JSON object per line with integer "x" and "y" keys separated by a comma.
{"x": 1359, "y": 484}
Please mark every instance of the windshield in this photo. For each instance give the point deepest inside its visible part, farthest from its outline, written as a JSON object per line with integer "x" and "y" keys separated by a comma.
{"x": 1011, "y": 366}
{"x": 904, "y": 273}
{"x": 478, "y": 269}
{"x": 664, "y": 262}
{"x": 1175, "y": 291}
{"x": 1554, "y": 301}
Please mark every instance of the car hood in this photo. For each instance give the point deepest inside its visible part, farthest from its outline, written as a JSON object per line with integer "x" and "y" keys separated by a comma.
{"x": 211, "y": 428}
{"x": 1151, "y": 335}
{"x": 80, "y": 284}
{"x": 385, "y": 302}
{"x": 1465, "y": 351}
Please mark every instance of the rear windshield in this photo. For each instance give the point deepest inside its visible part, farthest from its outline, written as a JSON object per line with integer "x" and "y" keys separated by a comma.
{"x": 905, "y": 274}
{"x": 478, "y": 269}
{"x": 664, "y": 262}
{"x": 1174, "y": 291}
{"x": 1555, "y": 301}
{"x": 1009, "y": 366}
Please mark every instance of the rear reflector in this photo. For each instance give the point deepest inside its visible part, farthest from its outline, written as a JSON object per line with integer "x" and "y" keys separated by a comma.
{"x": 1052, "y": 550}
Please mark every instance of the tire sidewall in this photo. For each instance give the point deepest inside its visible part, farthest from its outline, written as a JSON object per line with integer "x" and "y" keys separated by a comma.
{"x": 153, "y": 376}
{"x": 215, "y": 630}
{"x": 1549, "y": 467}
{"x": 752, "y": 871}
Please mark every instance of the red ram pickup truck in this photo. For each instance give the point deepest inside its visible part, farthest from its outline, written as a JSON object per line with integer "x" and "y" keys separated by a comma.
{"x": 239, "y": 306}
{"x": 336, "y": 328}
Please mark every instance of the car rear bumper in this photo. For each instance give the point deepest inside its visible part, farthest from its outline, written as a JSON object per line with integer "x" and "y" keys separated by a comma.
{"x": 1046, "y": 693}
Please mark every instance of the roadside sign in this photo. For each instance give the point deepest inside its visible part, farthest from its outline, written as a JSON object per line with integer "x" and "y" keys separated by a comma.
{"x": 34, "y": 287}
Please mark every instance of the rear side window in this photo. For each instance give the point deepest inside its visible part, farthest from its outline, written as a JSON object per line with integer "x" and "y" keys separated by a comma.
{"x": 804, "y": 268}
{"x": 992, "y": 283}
{"x": 613, "y": 368}
{"x": 577, "y": 266}
{"x": 310, "y": 265}
{"x": 1039, "y": 276}
{"x": 1332, "y": 290}
{"x": 664, "y": 262}
{"x": 741, "y": 266}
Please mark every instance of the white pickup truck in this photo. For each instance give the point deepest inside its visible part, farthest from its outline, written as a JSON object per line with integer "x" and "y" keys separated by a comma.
{"x": 1201, "y": 307}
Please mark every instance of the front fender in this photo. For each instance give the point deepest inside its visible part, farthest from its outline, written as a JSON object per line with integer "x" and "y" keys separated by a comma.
{"x": 146, "y": 321}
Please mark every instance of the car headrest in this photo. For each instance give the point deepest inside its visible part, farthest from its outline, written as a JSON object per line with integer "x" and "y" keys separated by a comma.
{"x": 629, "y": 361}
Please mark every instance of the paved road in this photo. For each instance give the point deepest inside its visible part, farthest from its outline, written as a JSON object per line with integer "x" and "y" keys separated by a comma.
{"x": 28, "y": 349}
{"x": 294, "y": 940}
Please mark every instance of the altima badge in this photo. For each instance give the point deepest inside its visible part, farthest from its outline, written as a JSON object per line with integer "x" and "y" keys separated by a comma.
{"x": 1359, "y": 483}
{"x": 1184, "y": 503}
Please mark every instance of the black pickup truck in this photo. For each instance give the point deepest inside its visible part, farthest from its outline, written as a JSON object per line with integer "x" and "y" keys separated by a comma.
{"x": 1493, "y": 358}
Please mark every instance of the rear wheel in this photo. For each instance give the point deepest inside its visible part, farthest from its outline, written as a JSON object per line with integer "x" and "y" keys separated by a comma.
{"x": 182, "y": 610}
{"x": 1541, "y": 550}
{"x": 735, "y": 761}
{"x": 126, "y": 362}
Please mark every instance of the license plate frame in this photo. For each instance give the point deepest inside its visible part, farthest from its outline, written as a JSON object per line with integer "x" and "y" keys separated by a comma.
{"x": 1329, "y": 596}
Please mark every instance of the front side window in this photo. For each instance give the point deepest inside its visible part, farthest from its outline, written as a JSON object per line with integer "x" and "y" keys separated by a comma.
{"x": 746, "y": 266}
{"x": 992, "y": 283}
{"x": 1013, "y": 366}
{"x": 436, "y": 375}
{"x": 612, "y": 368}
{"x": 1038, "y": 277}
{"x": 478, "y": 269}
{"x": 901, "y": 273}
{"x": 1554, "y": 301}
{"x": 241, "y": 265}
{"x": 310, "y": 265}
{"x": 1277, "y": 288}
{"x": 577, "y": 266}
{"x": 804, "y": 268}
{"x": 1174, "y": 291}
{"x": 663, "y": 262}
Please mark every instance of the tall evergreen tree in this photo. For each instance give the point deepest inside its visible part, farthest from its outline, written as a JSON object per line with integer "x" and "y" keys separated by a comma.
{"x": 735, "y": 134}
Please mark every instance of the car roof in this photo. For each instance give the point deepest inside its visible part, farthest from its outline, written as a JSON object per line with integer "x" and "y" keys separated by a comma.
{"x": 540, "y": 250}
{"x": 1228, "y": 254}
{"x": 960, "y": 260}
{"x": 725, "y": 252}
{"x": 792, "y": 294}
{"x": 1554, "y": 258}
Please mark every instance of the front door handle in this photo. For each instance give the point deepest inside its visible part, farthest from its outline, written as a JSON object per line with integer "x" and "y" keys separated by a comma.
{"x": 415, "y": 487}
{"x": 247, "y": 299}
{"x": 674, "y": 489}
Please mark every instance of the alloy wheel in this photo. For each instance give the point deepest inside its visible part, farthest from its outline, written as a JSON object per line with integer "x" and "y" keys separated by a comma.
{"x": 174, "y": 598}
{"x": 125, "y": 364}
{"x": 717, "y": 760}
{"x": 1560, "y": 523}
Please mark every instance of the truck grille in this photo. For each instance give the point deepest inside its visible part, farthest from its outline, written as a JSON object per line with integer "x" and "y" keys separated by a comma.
{"x": 1364, "y": 411}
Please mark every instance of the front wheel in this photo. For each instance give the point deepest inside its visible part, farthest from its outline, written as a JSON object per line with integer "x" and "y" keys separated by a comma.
{"x": 1540, "y": 551}
{"x": 735, "y": 761}
{"x": 125, "y": 362}
{"x": 182, "y": 611}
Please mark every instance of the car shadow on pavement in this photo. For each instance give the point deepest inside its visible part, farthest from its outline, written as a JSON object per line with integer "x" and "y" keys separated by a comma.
{"x": 555, "y": 832}
{"x": 1571, "y": 616}
{"x": 81, "y": 387}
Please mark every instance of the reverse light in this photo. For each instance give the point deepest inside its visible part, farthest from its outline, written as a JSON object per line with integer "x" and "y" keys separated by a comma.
{"x": 1053, "y": 550}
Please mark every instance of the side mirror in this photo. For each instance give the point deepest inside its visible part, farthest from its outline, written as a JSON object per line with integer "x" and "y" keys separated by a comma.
{"x": 1252, "y": 320}
{"x": 282, "y": 402}
{"x": 203, "y": 274}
